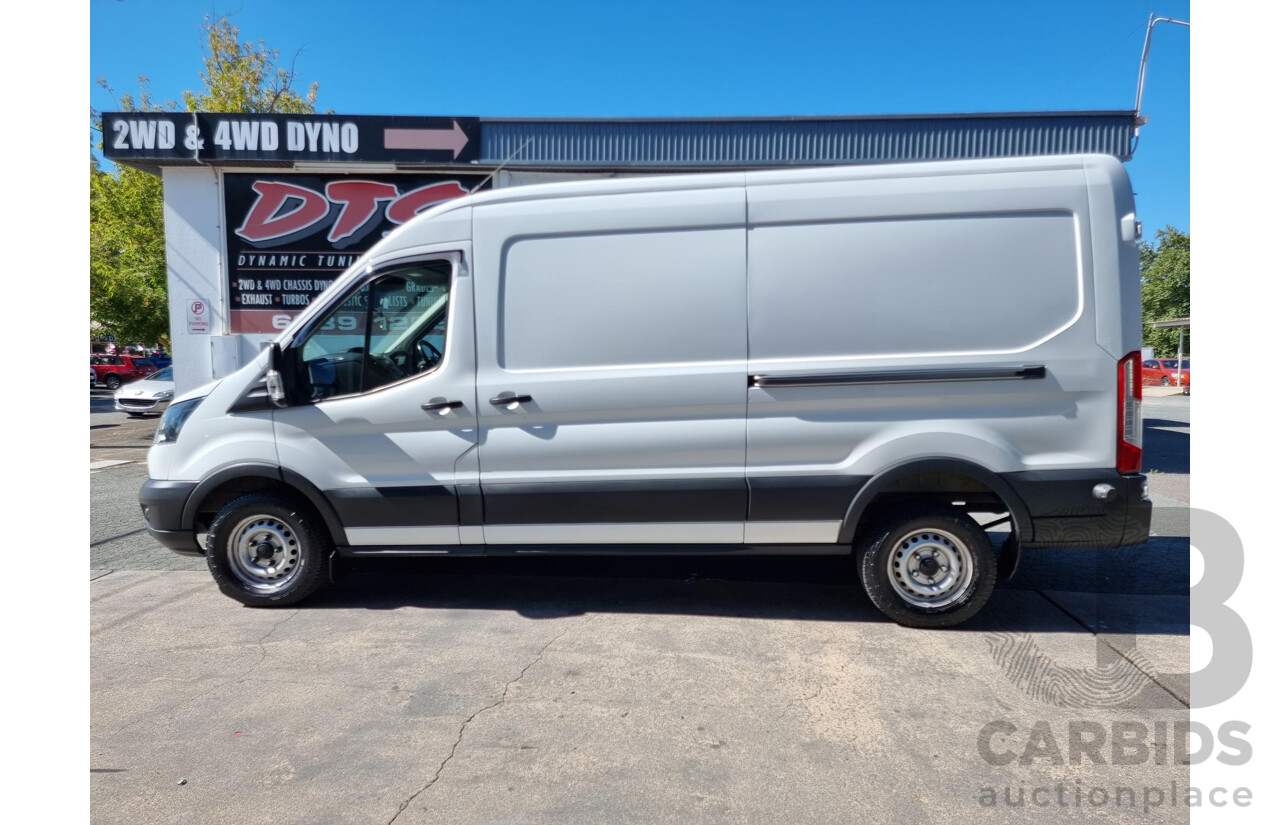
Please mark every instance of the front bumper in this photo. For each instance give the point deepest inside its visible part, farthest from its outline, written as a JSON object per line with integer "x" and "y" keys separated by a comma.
{"x": 1068, "y": 508}
{"x": 162, "y": 505}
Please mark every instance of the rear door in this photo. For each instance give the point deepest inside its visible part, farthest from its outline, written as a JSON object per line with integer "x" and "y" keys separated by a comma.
{"x": 611, "y": 375}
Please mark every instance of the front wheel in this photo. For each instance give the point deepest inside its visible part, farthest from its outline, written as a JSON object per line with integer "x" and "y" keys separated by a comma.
{"x": 927, "y": 566}
{"x": 1164, "y": 381}
{"x": 264, "y": 550}
{"x": 112, "y": 381}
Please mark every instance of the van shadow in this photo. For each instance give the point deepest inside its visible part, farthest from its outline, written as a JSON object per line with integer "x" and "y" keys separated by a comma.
{"x": 796, "y": 588}
{"x": 1166, "y": 445}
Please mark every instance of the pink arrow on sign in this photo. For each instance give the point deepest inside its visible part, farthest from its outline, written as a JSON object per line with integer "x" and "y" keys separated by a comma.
{"x": 454, "y": 139}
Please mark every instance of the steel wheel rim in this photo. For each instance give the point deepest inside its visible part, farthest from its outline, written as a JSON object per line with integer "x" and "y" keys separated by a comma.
{"x": 930, "y": 568}
{"x": 265, "y": 553}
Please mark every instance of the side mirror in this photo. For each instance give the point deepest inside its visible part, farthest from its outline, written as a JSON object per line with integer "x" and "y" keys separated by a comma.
{"x": 275, "y": 382}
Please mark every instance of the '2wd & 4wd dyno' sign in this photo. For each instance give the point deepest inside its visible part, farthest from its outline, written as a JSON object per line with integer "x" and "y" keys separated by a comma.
{"x": 202, "y": 137}
{"x": 289, "y": 236}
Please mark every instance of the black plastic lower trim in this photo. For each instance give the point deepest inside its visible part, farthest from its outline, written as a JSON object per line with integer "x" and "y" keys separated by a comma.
{"x": 1066, "y": 512}
{"x": 888, "y": 481}
{"x": 182, "y": 542}
{"x": 163, "y": 503}
{"x": 621, "y": 502}
{"x": 802, "y": 498}
{"x": 418, "y": 506}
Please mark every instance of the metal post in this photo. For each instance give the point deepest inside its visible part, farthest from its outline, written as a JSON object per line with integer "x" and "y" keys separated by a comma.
{"x": 1138, "y": 120}
{"x": 1146, "y": 47}
{"x": 1181, "y": 332}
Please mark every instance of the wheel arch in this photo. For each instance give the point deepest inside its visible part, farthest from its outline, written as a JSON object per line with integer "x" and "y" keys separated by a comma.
{"x": 886, "y": 480}
{"x": 227, "y": 483}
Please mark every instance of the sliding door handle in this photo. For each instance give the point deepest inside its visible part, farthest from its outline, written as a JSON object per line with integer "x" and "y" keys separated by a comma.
{"x": 437, "y": 406}
{"x": 504, "y": 400}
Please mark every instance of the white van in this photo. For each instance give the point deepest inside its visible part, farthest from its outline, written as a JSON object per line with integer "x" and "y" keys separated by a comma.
{"x": 821, "y": 361}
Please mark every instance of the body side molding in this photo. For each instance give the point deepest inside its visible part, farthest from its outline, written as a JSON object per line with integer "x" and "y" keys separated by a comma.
{"x": 926, "y": 376}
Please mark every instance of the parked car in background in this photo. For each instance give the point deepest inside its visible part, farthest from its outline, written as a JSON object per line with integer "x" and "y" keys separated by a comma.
{"x": 150, "y": 395}
{"x": 93, "y": 378}
{"x": 1163, "y": 372}
{"x": 115, "y": 370}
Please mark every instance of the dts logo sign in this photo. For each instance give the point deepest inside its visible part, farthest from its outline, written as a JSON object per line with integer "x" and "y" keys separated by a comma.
{"x": 349, "y": 209}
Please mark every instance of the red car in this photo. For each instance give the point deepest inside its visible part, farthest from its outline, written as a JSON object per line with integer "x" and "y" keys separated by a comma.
{"x": 1163, "y": 372}
{"x": 114, "y": 370}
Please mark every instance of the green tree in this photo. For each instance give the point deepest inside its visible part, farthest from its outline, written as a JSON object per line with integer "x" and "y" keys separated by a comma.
{"x": 243, "y": 77}
{"x": 127, "y": 294}
{"x": 128, "y": 290}
{"x": 1166, "y": 288}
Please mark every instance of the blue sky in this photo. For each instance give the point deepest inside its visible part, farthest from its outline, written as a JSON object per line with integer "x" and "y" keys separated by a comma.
{"x": 693, "y": 58}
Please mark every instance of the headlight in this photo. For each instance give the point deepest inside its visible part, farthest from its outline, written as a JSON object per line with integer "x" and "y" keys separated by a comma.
{"x": 174, "y": 417}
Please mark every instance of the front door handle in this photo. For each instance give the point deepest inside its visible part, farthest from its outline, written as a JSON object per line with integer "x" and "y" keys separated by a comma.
{"x": 436, "y": 406}
{"x": 504, "y": 400}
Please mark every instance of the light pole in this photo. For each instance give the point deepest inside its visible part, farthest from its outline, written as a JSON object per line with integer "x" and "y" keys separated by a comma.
{"x": 1138, "y": 119}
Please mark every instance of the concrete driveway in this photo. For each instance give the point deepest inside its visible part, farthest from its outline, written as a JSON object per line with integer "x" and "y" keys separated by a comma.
{"x": 634, "y": 690}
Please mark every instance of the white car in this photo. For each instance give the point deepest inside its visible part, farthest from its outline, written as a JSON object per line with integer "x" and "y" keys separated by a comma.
{"x": 150, "y": 395}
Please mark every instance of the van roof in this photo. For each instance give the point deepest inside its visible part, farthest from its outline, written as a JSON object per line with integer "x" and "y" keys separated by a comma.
{"x": 716, "y": 180}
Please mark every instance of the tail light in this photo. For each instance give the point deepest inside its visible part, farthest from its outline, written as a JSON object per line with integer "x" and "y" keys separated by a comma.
{"x": 1129, "y": 414}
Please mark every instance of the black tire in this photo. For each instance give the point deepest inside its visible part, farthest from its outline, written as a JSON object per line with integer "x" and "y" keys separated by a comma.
{"x": 1164, "y": 381}
{"x": 300, "y": 541}
{"x": 112, "y": 381}
{"x": 904, "y": 532}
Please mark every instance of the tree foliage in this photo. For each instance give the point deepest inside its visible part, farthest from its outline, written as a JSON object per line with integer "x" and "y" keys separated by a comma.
{"x": 243, "y": 77}
{"x": 128, "y": 292}
{"x": 1166, "y": 288}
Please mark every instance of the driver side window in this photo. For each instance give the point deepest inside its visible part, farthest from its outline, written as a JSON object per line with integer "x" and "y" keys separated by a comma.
{"x": 390, "y": 329}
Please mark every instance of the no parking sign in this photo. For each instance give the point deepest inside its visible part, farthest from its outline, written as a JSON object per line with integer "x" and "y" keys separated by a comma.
{"x": 197, "y": 317}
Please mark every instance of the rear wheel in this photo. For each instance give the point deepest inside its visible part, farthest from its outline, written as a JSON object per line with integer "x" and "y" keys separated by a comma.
{"x": 1164, "y": 381}
{"x": 112, "y": 381}
{"x": 927, "y": 566}
{"x": 265, "y": 550}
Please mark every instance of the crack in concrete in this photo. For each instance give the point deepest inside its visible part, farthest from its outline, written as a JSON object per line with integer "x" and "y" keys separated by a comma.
{"x": 1139, "y": 663}
{"x": 463, "y": 729}
{"x": 262, "y": 646}
{"x": 805, "y": 699}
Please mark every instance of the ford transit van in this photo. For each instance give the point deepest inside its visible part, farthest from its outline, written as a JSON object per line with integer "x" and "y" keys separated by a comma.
{"x": 884, "y": 361}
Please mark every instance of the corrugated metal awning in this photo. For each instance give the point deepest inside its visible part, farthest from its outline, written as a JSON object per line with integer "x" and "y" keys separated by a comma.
{"x": 662, "y": 143}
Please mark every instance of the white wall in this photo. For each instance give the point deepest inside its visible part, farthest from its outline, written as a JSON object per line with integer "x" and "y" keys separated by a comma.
{"x": 193, "y": 254}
